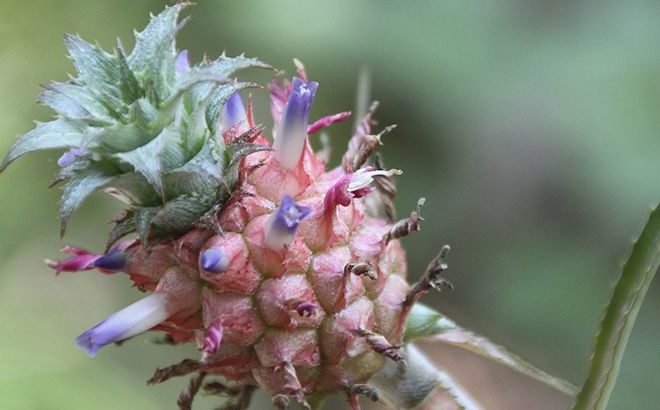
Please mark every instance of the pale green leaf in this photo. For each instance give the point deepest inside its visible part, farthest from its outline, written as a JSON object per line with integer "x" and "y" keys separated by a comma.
{"x": 156, "y": 156}
{"x": 119, "y": 137}
{"x": 629, "y": 293}
{"x": 154, "y": 55}
{"x": 77, "y": 190}
{"x": 143, "y": 112}
{"x": 57, "y": 134}
{"x": 143, "y": 218}
{"x": 435, "y": 327}
{"x": 160, "y": 30}
{"x": 200, "y": 174}
{"x": 70, "y": 170}
{"x": 424, "y": 321}
{"x": 177, "y": 215}
{"x": 218, "y": 100}
{"x": 96, "y": 68}
{"x": 174, "y": 150}
{"x": 228, "y": 66}
{"x": 133, "y": 188}
{"x": 194, "y": 77}
{"x": 128, "y": 83}
{"x": 73, "y": 101}
{"x": 123, "y": 227}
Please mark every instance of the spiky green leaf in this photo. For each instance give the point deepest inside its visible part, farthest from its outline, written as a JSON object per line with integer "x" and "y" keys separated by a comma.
{"x": 429, "y": 325}
{"x": 75, "y": 102}
{"x": 200, "y": 174}
{"x": 228, "y": 66}
{"x": 424, "y": 321}
{"x": 177, "y": 215}
{"x": 128, "y": 84}
{"x": 60, "y": 133}
{"x": 77, "y": 190}
{"x": 219, "y": 71}
{"x": 143, "y": 218}
{"x": 96, "y": 68}
{"x": 119, "y": 138}
{"x": 133, "y": 188}
{"x": 124, "y": 225}
{"x": 154, "y": 54}
{"x": 151, "y": 159}
{"x": 194, "y": 125}
{"x": 218, "y": 100}
{"x": 70, "y": 170}
{"x": 616, "y": 327}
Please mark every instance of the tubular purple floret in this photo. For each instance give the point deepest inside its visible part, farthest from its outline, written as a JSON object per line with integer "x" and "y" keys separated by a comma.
{"x": 182, "y": 62}
{"x": 128, "y": 322}
{"x": 213, "y": 338}
{"x": 71, "y": 155}
{"x": 292, "y": 130}
{"x": 233, "y": 114}
{"x": 282, "y": 224}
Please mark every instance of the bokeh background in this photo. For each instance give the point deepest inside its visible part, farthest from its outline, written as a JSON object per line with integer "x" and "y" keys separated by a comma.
{"x": 532, "y": 127}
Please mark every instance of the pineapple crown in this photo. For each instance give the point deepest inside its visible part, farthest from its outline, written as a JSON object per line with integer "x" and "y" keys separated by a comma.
{"x": 145, "y": 127}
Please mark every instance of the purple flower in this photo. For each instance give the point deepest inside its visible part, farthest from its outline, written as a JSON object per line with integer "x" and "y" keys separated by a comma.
{"x": 214, "y": 260}
{"x": 353, "y": 185}
{"x": 128, "y": 322}
{"x": 182, "y": 64}
{"x": 233, "y": 114}
{"x": 111, "y": 262}
{"x": 213, "y": 338}
{"x": 80, "y": 261}
{"x": 282, "y": 224}
{"x": 71, "y": 155}
{"x": 292, "y": 130}
{"x": 305, "y": 309}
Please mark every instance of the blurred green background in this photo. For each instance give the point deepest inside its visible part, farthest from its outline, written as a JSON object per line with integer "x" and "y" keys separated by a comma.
{"x": 532, "y": 127}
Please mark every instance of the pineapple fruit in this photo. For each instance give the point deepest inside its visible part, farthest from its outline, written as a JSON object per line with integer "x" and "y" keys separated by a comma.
{"x": 288, "y": 276}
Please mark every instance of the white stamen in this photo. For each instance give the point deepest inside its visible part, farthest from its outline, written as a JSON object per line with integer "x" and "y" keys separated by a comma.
{"x": 363, "y": 178}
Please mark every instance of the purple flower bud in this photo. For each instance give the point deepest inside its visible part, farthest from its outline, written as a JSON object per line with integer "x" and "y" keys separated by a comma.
{"x": 71, "y": 155}
{"x": 128, "y": 322}
{"x": 182, "y": 64}
{"x": 214, "y": 260}
{"x": 112, "y": 261}
{"x": 292, "y": 129}
{"x": 213, "y": 338}
{"x": 282, "y": 224}
{"x": 233, "y": 114}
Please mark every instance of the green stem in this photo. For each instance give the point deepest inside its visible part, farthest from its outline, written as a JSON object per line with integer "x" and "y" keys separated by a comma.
{"x": 638, "y": 272}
